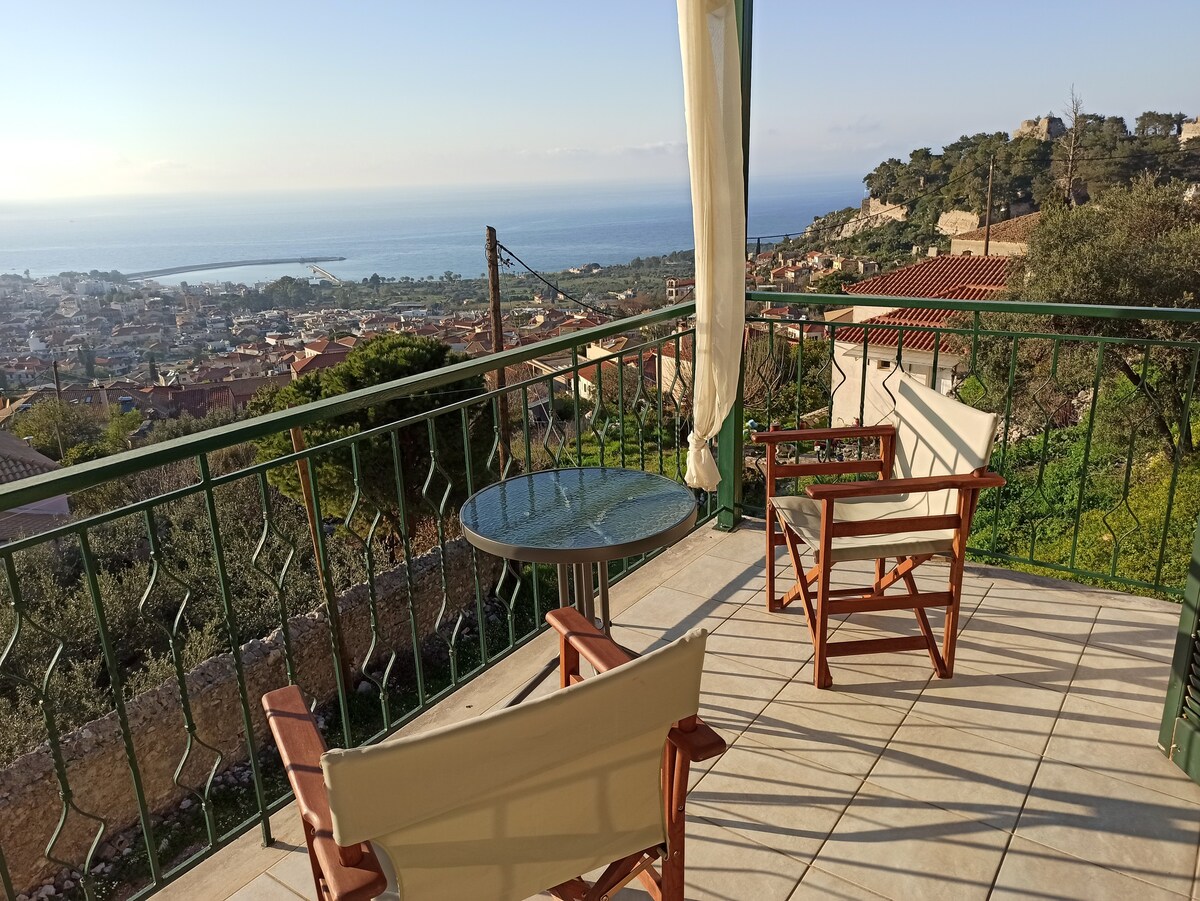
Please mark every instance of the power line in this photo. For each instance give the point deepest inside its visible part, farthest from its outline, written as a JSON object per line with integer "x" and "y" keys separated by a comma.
{"x": 510, "y": 257}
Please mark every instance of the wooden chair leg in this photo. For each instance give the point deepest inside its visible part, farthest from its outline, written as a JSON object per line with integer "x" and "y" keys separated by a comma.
{"x": 822, "y": 677}
{"x": 312, "y": 860}
{"x": 792, "y": 542}
{"x": 772, "y": 603}
{"x": 950, "y": 636}
{"x": 671, "y": 871}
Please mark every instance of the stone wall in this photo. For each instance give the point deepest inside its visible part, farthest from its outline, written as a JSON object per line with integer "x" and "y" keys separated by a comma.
{"x": 873, "y": 212}
{"x": 955, "y": 222}
{"x": 1046, "y": 128}
{"x": 94, "y": 755}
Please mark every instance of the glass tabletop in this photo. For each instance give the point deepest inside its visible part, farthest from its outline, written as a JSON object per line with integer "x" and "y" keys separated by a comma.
{"x": 578, "y": 515}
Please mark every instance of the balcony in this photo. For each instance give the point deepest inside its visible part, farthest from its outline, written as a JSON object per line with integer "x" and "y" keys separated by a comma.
{"x": 1034, "y": 767}
{"x": 199, "y": 573}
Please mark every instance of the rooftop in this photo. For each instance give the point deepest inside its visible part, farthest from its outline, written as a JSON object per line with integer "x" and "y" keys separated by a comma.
{"x": 1016, "y": 230}
{"x": 1034, "y": 767}
{"x": 20, "y": 461}
{"x": 890, "y": 337}
{"x": 943, "y": 277}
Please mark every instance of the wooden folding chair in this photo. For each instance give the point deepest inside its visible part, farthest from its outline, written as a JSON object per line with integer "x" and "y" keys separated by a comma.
{"x": 504, "y": 805}
{"x": 932, "y": 465}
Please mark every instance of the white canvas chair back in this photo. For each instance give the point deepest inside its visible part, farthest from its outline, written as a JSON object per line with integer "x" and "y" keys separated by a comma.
{"x": 522, "y": 799}
{"x": 937, "y": 436}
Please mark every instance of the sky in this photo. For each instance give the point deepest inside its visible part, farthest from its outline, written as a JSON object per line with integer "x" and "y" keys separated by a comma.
{"x": 122, "y": 98}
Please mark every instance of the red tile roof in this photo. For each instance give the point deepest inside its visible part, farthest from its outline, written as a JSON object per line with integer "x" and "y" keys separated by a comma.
{"x": 305, "y": 365}
{"x": 890, "y": 337}
{"x": 946, "y": 278}
{"x": 19, "y": 461}
{"x": 1016, "y": 230}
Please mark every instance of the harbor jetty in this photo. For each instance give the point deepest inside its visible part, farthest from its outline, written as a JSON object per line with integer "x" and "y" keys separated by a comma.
{"x": 228, "y": 264}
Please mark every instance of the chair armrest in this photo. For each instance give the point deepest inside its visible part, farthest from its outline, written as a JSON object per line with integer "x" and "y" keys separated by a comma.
{"x": 700, "y": 743}
{"x": 352, "y": 873}
{"x": 593, "y": 645}
{"x": 300, "y": 747}
{"x": 882, "y": 487}
{"x": 778, "y": 436}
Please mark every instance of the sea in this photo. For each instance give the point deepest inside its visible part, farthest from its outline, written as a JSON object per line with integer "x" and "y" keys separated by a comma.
{"x": 392, "y": 232}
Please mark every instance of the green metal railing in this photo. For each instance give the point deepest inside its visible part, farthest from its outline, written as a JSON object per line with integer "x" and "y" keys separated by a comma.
{"x": 204, "y": 545}
{"x": 1096, "y": 412}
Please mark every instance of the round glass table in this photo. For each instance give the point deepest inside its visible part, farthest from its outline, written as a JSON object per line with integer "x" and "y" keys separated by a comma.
{"x": 575, "y": 518}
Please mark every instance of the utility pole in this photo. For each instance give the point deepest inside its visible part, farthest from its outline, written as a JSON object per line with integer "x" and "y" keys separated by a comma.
{"x": 987, "y": 213}
{"x": 492, "y": 252}
{"x": 58, "y": 412}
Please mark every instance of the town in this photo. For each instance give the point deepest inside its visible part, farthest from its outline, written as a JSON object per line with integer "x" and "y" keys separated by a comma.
{"x": 110, "y": 344}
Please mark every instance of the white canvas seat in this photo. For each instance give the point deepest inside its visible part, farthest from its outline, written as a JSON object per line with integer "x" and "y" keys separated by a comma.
{"x": 932, "y": 465}
{"x": 526, "y": 798}
{"x": 803, "y": 516}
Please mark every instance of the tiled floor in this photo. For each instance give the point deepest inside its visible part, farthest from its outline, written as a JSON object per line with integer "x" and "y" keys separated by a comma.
{"x": 1033, "y": 773}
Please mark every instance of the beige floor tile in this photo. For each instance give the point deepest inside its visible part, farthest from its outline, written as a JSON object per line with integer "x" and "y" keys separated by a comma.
{"x": 1124, "y": 680}
{"x": 718, "y": 579}
{"x": 733, "y": 694}
{"x": 903, "y": 848}
{"x": 817, "y": 885}
{"x": 636, "y": 640}
{"x": 635, "y": 586}
{"x": 955, "y": 770}
{"x": 773, "y": 798}
{"x": 724, "y": 866}
{"x": 239, "y": 863}
{"x": 746, "y": 545}
{"x": 1119, "y": 744}
{"x": 669, "y": 612}
{"x": 828, "y": 728}
{"x": 892, "y": 679}
{"x": 777, "y": 642}
{"x": 295, "y": 872}
{"x": 1031, "y": 870}
{"x": 1034, "y": 611}
{"x": 264, "y": 888}
{"x": 996, "y": 707}
{"x": 1112, "y": 823}
{"x": 1061, "y": 593}
{"x": 544, "y": 686}
{"x": 1144, "y": 634}
{"x": 1038, "y": 659}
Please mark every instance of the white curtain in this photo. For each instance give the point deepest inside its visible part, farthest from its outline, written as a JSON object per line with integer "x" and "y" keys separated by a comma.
{"x": 712, "y": 97}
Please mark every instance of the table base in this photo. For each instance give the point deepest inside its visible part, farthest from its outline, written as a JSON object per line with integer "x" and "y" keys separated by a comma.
{"x": 579, "y": 577}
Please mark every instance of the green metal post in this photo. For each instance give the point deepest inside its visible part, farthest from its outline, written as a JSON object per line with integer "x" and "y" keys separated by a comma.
{"x": 730, "y": 456}
{"x": 1179, "y": 736}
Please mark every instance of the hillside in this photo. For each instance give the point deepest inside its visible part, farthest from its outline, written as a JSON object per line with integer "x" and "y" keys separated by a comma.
{"x": 1045, "y": 161}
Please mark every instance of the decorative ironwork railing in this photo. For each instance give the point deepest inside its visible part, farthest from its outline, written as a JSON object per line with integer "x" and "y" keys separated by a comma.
{"x": 1098, "y": 424}
{"x": 317, "y": 545}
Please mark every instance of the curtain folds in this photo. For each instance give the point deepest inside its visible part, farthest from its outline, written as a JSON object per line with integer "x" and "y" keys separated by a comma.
{"x": 712, "y": 97}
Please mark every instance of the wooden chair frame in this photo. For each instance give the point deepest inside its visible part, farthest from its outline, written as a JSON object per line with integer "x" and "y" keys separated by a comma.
{"x": 354, "y": 873}
{"x": 813, "y": 586}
